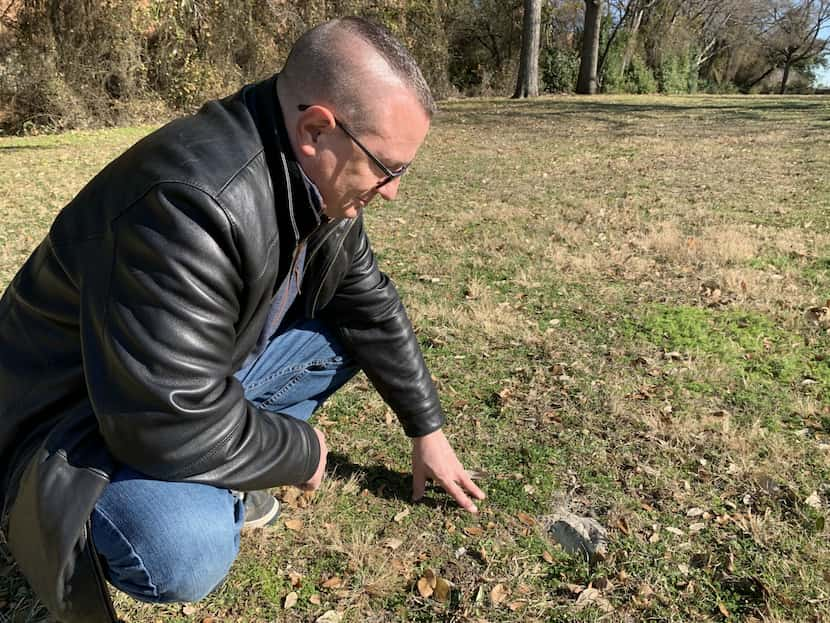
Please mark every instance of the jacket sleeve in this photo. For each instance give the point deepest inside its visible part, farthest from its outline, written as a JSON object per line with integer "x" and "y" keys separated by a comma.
{"x": 373, "y": 325}
{"x": 158, "y": 333}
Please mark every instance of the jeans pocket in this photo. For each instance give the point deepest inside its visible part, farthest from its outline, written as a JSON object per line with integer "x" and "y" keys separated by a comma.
{"x": 297, "y": 384}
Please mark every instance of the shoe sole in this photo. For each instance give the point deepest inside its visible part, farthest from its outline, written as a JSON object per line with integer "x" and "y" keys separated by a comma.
{"x": 266, "y": 520}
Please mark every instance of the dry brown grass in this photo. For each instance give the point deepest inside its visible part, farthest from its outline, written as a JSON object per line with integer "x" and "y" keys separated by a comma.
{"x": 610, "y": 293}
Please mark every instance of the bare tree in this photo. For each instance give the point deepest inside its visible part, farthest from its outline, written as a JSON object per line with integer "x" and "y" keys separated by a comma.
{"x": 589, "y": 60}
{"x": 629, "y": 16}
{"x": 527, "y": 83}
{"x": 789, "y": 34}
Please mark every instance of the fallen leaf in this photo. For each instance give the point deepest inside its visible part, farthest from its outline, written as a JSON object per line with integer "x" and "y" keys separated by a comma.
{"x": 515, "y": 605}
{"x": 675, "y": 531}
{"x": 694, "y": 512}
{"x": 526, "y": 519}
{"x": 189, "y": 610}
{"x": 442, "y": 590}
{"x": 645, "y": 591}
{"x": 592, "y": 597}
{"x": 497, "y": 594}
{"x": 333, "y": 582}
{"x": 401, "y": 516}
{"x": 425, "y": 588}
{"x": 294, "y": 524}
{"x": 295, "y": 578}
{"x": 290, "y": 600}
{"x": 814, "y": 501}
{"x": 314, "y": 599}
{"x": 818, "y": 317}
{"x": 723, "y": 610}
{"x": 209, "y": 620}
{"x": 290, "y": 495}
{"x": 547, "y": 556}
{"x": 473, "y": 531}
{"x": 330, "y": 616}
{"x": 392, "y": 543}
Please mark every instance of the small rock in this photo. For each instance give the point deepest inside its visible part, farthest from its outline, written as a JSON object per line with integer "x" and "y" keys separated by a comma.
{"x": 577, "y": 534}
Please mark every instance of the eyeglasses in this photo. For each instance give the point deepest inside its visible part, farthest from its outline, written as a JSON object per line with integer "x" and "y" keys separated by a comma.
{"x": 389, "y": 173}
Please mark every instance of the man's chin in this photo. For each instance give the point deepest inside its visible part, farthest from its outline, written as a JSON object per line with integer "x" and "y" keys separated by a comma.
{"x": 349, "y": 211}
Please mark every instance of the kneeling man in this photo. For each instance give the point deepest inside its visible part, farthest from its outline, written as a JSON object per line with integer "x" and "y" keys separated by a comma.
{"x": 163, "y": 348}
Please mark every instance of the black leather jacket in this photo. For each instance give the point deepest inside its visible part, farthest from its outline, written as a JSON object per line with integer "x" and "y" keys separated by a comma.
{"x": 120, "y": 335}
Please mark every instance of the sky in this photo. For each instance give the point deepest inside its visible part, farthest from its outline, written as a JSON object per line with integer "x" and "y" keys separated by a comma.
{"x": 823, "y": 75}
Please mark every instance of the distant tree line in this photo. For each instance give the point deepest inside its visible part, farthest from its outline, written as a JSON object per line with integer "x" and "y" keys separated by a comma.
{"x": 104, "y": 62}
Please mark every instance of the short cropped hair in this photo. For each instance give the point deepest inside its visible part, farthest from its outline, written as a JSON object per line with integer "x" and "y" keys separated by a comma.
{"x": 319, "y": 65}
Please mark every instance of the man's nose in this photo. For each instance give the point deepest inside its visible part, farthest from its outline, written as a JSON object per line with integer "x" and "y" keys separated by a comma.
{"x": 390, "y": 190}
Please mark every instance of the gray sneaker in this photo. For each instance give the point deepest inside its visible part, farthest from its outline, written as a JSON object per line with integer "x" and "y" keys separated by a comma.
{"x": 261, "y": 509}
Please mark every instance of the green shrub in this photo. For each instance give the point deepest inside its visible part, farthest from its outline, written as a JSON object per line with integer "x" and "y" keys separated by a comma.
{"x": 678, "y": 74}
{"x": 612, "y": 77}
{"x": 639, "y": 77}
{"x": 559, "y": 70}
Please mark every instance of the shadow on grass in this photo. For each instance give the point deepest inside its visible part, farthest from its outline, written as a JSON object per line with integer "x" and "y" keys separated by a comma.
{"x": 621, "y": 114}
{"x": 25, "y": 147}
{"x": 381, "y": 481}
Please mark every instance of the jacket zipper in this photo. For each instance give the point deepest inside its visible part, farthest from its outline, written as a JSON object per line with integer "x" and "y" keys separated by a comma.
{"x": 330, "y": 264}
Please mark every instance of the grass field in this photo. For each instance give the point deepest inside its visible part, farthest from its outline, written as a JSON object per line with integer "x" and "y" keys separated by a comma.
{"x": 614, "y": 296}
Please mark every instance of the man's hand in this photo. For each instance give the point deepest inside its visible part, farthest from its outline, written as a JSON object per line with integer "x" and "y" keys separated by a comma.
{"x": 433, "y": 457}
{"x": 317, "y": 478}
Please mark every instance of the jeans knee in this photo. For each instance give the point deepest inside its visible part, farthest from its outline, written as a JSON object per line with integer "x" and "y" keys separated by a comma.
{"x": 189, "y": 585}
{"x": 179, "y": 560}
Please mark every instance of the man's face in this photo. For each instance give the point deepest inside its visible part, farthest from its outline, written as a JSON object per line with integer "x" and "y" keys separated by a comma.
{"x": 345, "y": 174}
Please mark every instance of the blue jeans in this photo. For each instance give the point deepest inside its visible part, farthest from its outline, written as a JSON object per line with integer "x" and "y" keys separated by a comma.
{"x": 175, "y": 541}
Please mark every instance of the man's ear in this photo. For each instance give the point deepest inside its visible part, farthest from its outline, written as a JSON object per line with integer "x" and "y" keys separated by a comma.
{"x": 313, "y": 122}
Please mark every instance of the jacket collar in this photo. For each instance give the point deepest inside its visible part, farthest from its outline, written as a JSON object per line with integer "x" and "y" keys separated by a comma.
{"x": 302, "y": 214}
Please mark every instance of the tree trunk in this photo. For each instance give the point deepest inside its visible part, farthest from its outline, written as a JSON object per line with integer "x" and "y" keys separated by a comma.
{"x": 527, "y": 83}
{"x": 587, "y": 83}
{"x": 785, "y": 78}
{"x": 748, "y": 87}
{"x": 631, "y": 44}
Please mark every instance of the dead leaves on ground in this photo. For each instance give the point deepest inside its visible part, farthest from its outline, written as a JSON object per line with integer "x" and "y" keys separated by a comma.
{"x": 432, "y": 585}
{"x": 296, "y": 525}
{"x": 818, "y": 318}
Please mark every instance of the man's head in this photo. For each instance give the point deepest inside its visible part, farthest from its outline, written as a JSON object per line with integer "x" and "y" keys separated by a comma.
{"x": 357, "y": 109}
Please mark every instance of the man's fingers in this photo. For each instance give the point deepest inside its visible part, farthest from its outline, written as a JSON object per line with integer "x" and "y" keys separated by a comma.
{"x": 458, "y": 494}
{"x": 471, "y": 487}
